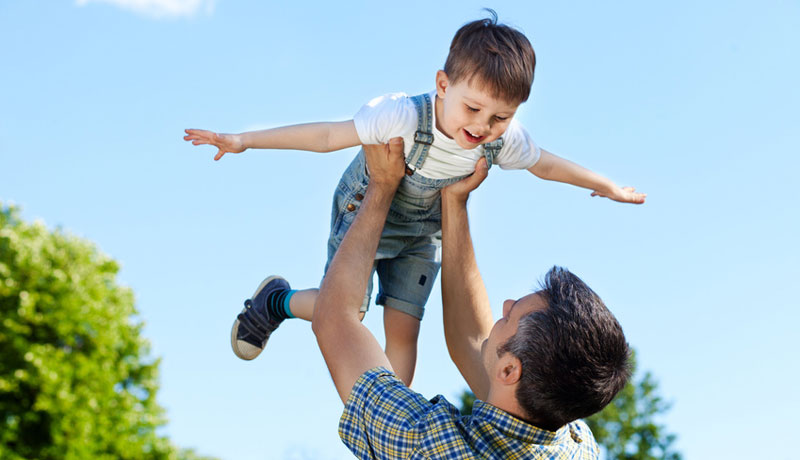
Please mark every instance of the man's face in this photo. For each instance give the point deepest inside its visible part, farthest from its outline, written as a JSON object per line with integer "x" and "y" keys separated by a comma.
{"x": 468, "y": 114}
{"x": 506, "y": 327}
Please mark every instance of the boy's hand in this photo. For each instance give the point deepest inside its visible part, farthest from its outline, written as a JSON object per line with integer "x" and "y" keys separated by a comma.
{"x": 461, "y": 189}
{"x": 623, "y": 195}
{"x": 386, "y": 163}
{"x": 224, "y": 142}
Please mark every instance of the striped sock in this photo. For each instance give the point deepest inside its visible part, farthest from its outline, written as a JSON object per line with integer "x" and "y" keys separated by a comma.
{"x": 278, "y": 304}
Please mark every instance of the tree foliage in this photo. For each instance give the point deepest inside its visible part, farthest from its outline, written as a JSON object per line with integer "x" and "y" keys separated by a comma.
{"x": 75, "y": 378}
{"x": 626, "y": 429}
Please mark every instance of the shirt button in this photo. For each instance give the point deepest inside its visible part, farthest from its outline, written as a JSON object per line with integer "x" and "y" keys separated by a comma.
{"x": 359, "y": 196}
{"x": 351, "y": 207}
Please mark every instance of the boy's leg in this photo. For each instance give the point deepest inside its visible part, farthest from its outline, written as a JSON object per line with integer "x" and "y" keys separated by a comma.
{"x": 405, "y": 285}
{"x": 402, "y": 331}
{"x": 302, "y": 303}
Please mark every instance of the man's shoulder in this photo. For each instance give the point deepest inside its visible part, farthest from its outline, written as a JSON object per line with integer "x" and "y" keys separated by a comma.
{"x": 581, "y": 434}
{"x": 383, "y": 415}
{"x": 381, "y": 385}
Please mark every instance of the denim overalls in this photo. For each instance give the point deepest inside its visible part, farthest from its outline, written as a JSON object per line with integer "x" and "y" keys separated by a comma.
{"x": 408, "y": 256}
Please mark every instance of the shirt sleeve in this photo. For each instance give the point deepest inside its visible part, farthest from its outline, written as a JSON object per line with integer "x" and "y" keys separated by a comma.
{"x": 382, "y": 417}
{"x": 519, "y": 150}
{"x": 385, "y": 117}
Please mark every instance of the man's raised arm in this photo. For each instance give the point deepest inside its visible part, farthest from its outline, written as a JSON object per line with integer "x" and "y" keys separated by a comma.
{"x": 348, "y": 347}
{"x": 466, "y": 310}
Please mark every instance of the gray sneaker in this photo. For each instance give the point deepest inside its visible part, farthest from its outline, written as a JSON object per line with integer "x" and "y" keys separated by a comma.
{"x": 254, "y": 325}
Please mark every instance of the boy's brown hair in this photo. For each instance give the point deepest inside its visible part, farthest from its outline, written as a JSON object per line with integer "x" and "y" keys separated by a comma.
{"x": 499, "y": 56}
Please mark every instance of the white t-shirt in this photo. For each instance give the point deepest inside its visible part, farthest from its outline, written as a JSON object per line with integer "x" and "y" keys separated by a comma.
{"x": 394, "y": 115}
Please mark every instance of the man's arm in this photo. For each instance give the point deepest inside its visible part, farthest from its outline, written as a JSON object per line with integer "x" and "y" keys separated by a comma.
{"x": 347, "y": 345}
{"x": 466, "y": 309}
{"x": 314, "y": 137}
{"x": 553, "y": 167}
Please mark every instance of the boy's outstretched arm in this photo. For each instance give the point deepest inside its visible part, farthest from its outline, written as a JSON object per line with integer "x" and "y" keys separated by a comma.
{"x": 314, "y": 137}
{"x": 347, "y": 345}
{"x": 553, "y": 167}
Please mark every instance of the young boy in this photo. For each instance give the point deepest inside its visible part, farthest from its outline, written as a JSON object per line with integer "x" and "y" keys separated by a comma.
{"x": 487, "y": 75}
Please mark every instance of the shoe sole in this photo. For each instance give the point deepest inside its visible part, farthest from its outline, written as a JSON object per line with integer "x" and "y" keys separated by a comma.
{"x": 242, "y": 349}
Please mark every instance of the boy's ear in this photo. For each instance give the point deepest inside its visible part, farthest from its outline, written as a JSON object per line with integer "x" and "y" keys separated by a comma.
{"x": 442, "y": 83}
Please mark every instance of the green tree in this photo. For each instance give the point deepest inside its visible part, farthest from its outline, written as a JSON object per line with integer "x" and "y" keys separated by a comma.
{"x": 75, "y": 378}
{"x": 626, "y": 429}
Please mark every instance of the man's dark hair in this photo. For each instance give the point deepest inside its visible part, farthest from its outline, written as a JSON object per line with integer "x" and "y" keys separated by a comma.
{"x": 499, "y": 56}
{"x": 573, "y": 353}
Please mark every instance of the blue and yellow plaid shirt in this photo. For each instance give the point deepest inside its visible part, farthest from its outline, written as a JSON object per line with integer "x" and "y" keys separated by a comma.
{"x": 384, "y": 419}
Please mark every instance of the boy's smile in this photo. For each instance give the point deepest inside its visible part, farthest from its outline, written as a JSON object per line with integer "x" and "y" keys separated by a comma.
{"x": 469, "y": 115}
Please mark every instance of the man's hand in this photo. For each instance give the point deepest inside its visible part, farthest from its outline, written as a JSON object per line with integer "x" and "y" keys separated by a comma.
{"x": 460, "y": 190}
{"x": 224, "y": 142}
{"x": 623, "y": 195}
{"x": 386, "y": 163}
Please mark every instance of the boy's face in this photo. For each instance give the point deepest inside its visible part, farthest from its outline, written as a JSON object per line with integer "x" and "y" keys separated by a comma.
{"x": 468, "y": 114}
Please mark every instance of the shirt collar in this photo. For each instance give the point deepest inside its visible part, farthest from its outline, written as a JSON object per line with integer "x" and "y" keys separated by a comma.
{"x": 515, "y": 428}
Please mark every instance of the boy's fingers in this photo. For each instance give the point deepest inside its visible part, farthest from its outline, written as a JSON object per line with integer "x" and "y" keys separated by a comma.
{"x": 219, "y": 155}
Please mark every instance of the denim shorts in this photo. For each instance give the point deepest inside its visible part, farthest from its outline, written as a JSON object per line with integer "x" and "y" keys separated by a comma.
{"x": 409, "y": 251}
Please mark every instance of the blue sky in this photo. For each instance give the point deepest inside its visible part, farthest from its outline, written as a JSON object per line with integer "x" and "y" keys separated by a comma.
{"x": 695, "y": 103}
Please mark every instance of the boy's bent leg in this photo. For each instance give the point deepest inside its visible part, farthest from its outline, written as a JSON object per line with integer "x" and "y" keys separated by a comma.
{"x": 302, "y": 303}
{"x": 402, "y": 331}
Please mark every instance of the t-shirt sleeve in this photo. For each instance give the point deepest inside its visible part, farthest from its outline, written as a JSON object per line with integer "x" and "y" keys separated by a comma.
{"x": 385, "y": 117}
{"x": 382, "y": 417}
{"x": 519, "y": 150}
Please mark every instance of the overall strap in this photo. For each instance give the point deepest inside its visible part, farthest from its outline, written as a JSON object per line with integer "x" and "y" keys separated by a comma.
{"x": 423, "y": 137}
{"x": 491, "y": 149}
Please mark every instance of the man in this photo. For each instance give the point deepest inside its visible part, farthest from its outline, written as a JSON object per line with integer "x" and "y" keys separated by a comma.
{"x": 555, "y": 356}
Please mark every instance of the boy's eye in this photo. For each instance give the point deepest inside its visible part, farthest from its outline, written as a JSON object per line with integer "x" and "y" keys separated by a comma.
{"x": 472, "y": 109}
{"x": 501, "y": 118}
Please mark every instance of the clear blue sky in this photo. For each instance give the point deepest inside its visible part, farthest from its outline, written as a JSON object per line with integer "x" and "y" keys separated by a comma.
{"x": 695, "y": 103}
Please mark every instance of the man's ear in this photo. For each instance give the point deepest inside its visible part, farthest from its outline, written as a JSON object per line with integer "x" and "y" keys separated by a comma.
{"x": 509, "y": 370}
{"x": 442, "y": 82}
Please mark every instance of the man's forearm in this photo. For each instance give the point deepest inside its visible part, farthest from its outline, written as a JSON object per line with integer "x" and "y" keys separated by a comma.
{"x": 466, "y": 310}
{"x": 348, "y": 275}
{"x": 348, "y": 347}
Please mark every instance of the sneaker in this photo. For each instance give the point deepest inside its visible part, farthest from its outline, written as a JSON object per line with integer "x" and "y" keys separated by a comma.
{"x": 254, "y": 325}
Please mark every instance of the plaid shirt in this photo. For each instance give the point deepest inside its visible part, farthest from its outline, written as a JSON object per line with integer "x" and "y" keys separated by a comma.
{"x": 383, "y": 419}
